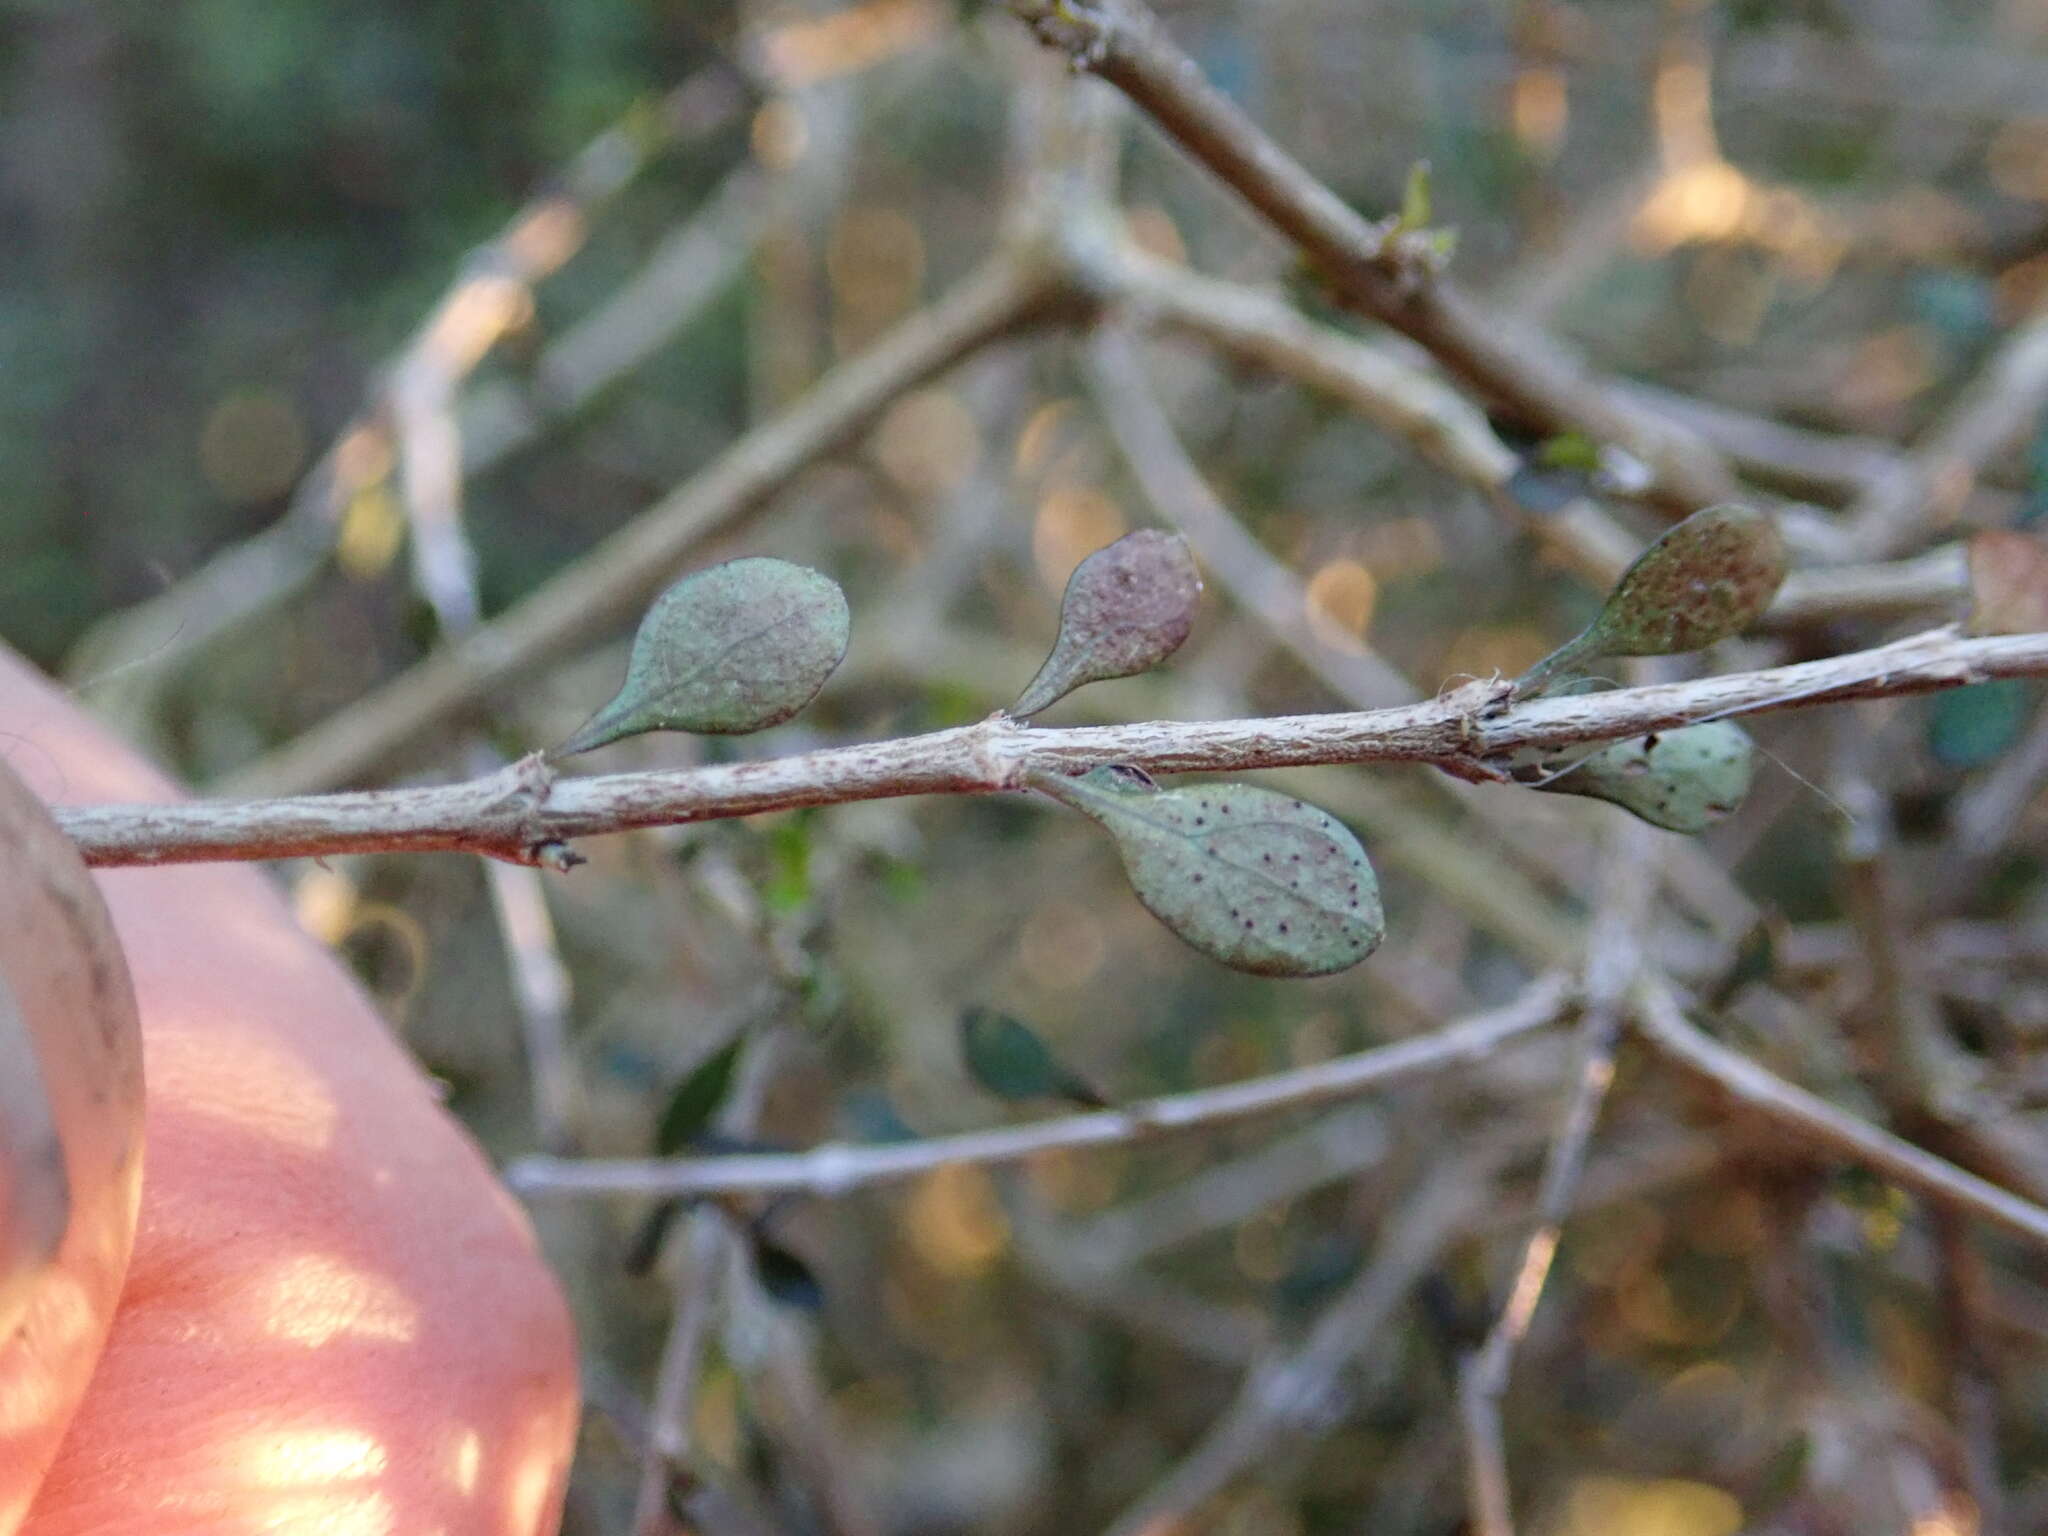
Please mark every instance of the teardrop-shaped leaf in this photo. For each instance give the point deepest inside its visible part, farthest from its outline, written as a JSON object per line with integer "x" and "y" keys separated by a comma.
{"x": 1968, "y": 727}
{"x": 1007, "y": 1057}
{"x": 785, "y": 1277}
{"x": 1127, "y": 608}
{"x": 1248, "y": 876}
{"x": 2008, "y": 583}
{"x": 696, "y": 1099}
{"x": 735, "y": 648}
{"x": 1683, "y": 780}
{"x": 644, "y": 1247}
{"x": 1707, "y": 578}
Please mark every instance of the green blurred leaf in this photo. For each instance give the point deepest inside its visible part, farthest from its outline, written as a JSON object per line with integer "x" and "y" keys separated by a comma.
{"x": 1707, "y": 578}
{"x": 1783, "y": 1474}
{"x": 1568, "y": 450}
{"x": 736, "y": 648}
{"x": 648, "y": 1239}
{"x": 1961, "y": 307}
{"x": 1252, "y": 878}
{"x": 903, "y": 882}
{"x": 785, "y": 1277}
{"x": 788, "y": 885}
{"x": 696, "y": 1099}
{"x": 873, "y": 1118}
{"x": 1008, "y": 1058}
{"x": 1127, "y": 608}
{"x": 1968, "y": 727}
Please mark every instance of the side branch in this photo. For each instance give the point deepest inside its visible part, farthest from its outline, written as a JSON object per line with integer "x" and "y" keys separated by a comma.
{"x": 834, "y": 1169}
{"x": 1384, "y": 274}
{"x": 520, "y": 815}
{"x": 1819, "y": 1124}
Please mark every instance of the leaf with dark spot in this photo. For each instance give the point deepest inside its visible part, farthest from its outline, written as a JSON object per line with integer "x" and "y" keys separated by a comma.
{"x": 696, "y": 1099}
{"x": 736, "y": 648}
{"x": 2008, "y": 583}
{"x": 1683, "y": 780}
{"x": 1009, "y": 1058}
{"x": 1127, "y": 608}
{"x": 1707, "y": 578}
{"x": 785, "y": 1277}
{"x": 1248, "y": 876}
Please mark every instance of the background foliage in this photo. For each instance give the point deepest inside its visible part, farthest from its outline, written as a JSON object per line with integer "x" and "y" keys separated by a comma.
{"x": 225, "y": 215}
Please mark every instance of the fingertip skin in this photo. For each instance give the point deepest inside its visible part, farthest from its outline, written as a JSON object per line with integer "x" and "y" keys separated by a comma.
{"x": 335, "y": 1319}
{"x": 71, "y": 1133}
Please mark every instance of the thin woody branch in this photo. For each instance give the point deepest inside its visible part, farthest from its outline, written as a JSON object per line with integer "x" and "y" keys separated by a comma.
{"x": 1613, "y": 958}
{"x": 833, "y": 1169}
{"x": 1413, "y": 402}
{"x": 1755, "y": 1090}
{"x": 519, "y": 814}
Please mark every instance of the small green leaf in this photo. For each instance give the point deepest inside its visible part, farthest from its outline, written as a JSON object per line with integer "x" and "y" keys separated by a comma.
{"x": 1127, "y": 608}
{"x": 1683, "y": 780}
{"x": 1008, "y": 1058}
{"x": 1250, "y": 877}
{"x": 736, "y": 648}
{"x": 785, "y": 1277}
{"x": 1568, "y": 450}
{"x": 1415, "y": 199}
{"x": 696, "y": 1099}
{"x": 1707, "y": 578}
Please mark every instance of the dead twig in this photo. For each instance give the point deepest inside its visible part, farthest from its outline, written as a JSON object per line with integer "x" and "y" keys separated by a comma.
{"x": 833, "y": 1170}
{"x": 1614, "y": 955}
{"x": 1823, "y": 1127}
